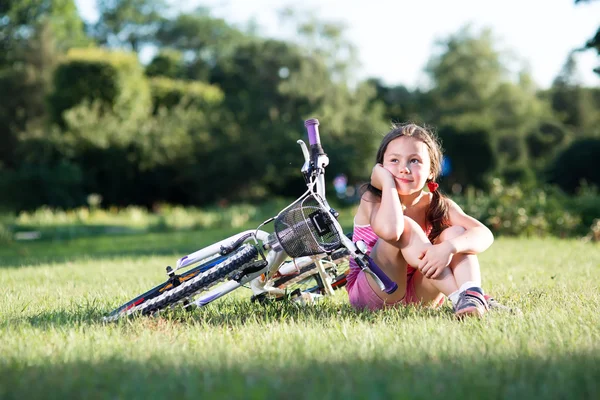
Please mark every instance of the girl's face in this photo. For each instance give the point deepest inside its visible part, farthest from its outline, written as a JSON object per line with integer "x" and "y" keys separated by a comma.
{"x": 408, "y": 160}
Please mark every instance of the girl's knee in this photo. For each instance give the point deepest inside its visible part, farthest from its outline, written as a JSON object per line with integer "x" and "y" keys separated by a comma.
{"x": 413, "y": 233}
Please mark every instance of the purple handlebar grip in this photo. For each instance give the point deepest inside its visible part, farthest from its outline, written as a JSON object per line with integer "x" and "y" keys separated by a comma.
{"x": 312, "y": 127}
{"x": 390, "y": 285}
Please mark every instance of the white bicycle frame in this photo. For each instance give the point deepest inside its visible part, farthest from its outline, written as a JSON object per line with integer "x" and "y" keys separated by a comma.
{"x": 250, "y": 264}
{"x": 260, "y": 281}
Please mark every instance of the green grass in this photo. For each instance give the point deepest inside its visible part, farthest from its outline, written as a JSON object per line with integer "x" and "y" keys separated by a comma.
{"x": 54, "y": 344}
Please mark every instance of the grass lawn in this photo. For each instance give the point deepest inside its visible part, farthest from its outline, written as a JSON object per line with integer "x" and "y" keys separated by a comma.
{"x": 54, "y": 344}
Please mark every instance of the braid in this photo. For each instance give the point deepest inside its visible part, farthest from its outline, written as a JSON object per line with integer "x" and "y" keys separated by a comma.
{"x": 367, "y": 187}
{"x": 437, "y": 215}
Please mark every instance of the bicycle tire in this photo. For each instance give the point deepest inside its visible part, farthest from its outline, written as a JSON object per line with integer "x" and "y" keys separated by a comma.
{"x": 199, "y": 279}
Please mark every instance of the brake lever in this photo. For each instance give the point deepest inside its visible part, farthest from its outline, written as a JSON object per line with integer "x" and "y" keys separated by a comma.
{"x": 306, "y": 165}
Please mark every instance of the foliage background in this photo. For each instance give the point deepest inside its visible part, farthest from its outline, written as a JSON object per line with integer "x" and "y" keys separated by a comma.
{"x": 214, "y": 116}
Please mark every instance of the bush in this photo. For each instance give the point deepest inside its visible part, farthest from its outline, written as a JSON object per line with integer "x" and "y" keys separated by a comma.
{"x": 482, "y": 160}
{"x": 115, "y": 79}
{"x": 170, "y": 92}
{"x": 594, "y": 234}
{"x": 578, "y": 162}
{"x": 32, "y": 185}
{"x": 5, "y": 234}
{"x": 587, "y": 204}
{"x": 523, "y": 211}
{"x": 54, "y": 223}
{"x": 167, "y": 63}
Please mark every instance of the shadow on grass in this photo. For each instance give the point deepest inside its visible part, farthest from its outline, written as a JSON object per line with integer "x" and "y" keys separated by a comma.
{"x": 557, "y": 376}
{"x": 176, "y": 244}
{"x": 238, "y": 313}
{"x": 73, "y": 231}
{"x": 233, "y": 313}
{"x": 88, "y": 314}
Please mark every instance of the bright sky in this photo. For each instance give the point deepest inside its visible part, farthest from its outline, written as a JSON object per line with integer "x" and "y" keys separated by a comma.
{"x": 395, "y": 38}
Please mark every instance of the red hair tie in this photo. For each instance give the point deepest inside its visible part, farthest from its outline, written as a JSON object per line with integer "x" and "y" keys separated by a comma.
{"x": 432, "y": 186}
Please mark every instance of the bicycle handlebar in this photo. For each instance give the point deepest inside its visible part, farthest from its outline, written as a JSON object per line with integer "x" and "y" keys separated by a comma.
{"x": 312, "y": 127}
{"x": 387, "y": 285}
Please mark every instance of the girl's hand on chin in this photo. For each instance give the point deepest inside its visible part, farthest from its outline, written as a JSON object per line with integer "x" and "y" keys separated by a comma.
{"x": 379, "y": 175}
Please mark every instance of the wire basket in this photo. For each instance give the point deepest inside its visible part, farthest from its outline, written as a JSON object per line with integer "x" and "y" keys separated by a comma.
{"x": 305, "y": 229}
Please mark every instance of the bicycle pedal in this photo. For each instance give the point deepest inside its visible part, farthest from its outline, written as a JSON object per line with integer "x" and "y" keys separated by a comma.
{"x": 261, "y": 298}
{"x": 251, "y": 268}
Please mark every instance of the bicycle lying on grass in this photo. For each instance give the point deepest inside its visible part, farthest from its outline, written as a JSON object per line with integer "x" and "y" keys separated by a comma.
{"x": 301, "y": 280}
{"x": 307, "y": 231}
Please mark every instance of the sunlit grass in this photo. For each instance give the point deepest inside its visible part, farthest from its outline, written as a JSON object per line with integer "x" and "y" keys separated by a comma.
{"x": 47, "y": 223}
{"x": 55, "y": 345}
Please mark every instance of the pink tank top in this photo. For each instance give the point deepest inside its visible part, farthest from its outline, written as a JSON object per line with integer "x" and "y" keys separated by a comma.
{"x": 367, "y": 235}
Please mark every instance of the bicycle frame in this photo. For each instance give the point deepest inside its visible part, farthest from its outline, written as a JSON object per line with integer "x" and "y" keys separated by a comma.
{"x": 313, "y": 171}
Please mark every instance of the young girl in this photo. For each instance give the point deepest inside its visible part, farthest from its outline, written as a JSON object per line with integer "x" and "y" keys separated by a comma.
{"x": 422, "y": 240}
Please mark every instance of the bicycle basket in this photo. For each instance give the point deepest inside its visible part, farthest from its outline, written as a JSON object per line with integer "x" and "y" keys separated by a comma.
{"x": 305, "y": 229}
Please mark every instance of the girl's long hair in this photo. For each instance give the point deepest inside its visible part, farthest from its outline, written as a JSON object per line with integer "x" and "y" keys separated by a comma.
{"x": 437, "y": 213}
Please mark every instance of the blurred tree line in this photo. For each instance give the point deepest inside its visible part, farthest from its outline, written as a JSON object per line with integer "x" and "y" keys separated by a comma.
{"x": 217, "y": 111}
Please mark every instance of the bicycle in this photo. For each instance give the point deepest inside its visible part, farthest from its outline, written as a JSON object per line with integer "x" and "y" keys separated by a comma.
{"x": 301, "y": 281}
{"x": 307, "y": 231}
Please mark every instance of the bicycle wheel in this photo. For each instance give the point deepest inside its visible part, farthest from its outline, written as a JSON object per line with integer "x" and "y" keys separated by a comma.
{"x": 180, "y": 288}
{"x": 308, "y": 279}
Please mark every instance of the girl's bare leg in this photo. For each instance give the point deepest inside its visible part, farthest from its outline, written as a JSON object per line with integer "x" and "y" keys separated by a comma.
{"x": 389, "y": 258}
{"x": 465, "y": 267}
{"x": 393, "y": 259}
{"x": 417, "y": 241}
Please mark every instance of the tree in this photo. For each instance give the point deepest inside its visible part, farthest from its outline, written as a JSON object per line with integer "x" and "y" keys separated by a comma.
{"x": 204, "y": 41}
{"x": 323, "y": 39}
{"x": 581, "y": 160}
{"x": 400, "y": 103}
{"x": 466, "y": 73}
{"x": 21, "y": 19}
{"x": 270, "y": 87}
{"x": 128, "y": 23}
{"x": 24, "y": 87}
{"x": 168, "y": 63}
{"x": 574, "y": 103}
{"x": 182, "y": 151}
{"x": 32, "y": 34}
{"x": 594, "y": 42}
{"x": 474, "y": 93}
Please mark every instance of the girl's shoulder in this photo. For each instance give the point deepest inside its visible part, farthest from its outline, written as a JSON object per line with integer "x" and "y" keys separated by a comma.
{"x": 453, "y": 208}
{"x": 367, "y": 202}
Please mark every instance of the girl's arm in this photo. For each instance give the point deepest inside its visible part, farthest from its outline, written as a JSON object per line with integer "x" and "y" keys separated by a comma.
{"x": 476, "y": 238}
{"x": 387, "y": 218}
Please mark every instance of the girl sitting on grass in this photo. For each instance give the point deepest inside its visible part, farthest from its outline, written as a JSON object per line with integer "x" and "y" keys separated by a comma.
{"x": 422, "y": 240}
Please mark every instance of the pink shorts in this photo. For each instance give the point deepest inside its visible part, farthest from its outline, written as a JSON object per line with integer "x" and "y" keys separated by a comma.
{"x": 362, "y": 295}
